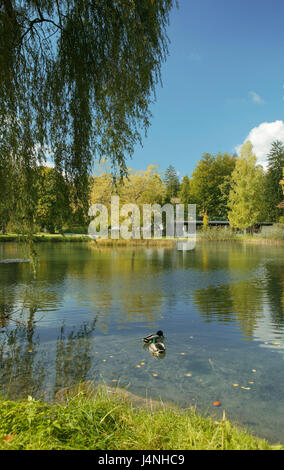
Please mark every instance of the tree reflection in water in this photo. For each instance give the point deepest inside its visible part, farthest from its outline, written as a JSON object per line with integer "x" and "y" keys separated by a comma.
{"x": 73, "y": 356}
{"x": 22, "y": 361}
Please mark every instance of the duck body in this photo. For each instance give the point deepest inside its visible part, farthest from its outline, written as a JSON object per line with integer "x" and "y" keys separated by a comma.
{"x": 157, "y": 349}
{"x": 156, "y": 337}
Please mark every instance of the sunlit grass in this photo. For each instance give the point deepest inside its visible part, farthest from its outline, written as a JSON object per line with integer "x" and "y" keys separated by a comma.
{"x": 104, "y": 421}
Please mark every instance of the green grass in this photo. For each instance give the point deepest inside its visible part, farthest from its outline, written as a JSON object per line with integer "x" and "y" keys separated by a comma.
{"x": 275, "y": 237}
{"x": 109, "y": 421}
{"x": 45, "y": 237}
{"x": 216, "y": 234}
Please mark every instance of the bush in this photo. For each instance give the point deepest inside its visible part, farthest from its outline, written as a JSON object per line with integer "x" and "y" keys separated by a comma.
{"x": 80, "y": 230}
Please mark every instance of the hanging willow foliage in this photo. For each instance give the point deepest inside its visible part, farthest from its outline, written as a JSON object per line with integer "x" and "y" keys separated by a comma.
{"x": 76, "y": 81}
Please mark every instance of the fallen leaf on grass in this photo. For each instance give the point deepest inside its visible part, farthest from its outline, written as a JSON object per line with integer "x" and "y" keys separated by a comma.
{"x": 9, "y": 438}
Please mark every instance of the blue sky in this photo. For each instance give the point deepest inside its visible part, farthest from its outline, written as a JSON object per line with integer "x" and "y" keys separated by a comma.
{"x": 222, "y": 82}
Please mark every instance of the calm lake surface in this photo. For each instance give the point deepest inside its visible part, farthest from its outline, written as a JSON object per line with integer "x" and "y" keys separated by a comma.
{"x": 221, "y": 307}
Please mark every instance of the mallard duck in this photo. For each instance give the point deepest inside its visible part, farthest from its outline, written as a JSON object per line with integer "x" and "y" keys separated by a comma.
{"x": 157, "y": 348}
{"x": 159, "y": 336}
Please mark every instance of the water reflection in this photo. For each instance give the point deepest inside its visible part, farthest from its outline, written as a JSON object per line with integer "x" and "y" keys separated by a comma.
{"x": 84, "y": 316}
{"x": 21, "y": 373}
{"x": 73, "y": 356}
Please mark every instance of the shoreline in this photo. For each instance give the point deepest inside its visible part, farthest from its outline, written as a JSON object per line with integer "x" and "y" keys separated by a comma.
{"x": 163, "y": 242}
{"x": 90, "y": 417}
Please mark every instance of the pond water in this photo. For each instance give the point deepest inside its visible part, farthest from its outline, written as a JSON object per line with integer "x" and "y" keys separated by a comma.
{"x": 220, "y": 306}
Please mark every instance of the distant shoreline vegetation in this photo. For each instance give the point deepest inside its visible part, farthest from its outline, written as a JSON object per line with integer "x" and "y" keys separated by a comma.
{"x": 275, "y": 236}
{"x": 222, "y": 187}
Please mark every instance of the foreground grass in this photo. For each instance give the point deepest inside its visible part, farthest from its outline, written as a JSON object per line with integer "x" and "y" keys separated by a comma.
{"x": 109, "y": 422}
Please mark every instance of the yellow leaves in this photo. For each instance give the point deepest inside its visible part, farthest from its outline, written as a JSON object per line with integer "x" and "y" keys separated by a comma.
{"x": 8, "y": 439}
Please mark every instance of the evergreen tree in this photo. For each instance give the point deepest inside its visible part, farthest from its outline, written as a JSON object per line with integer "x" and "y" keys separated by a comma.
{"x": 172, "y": 183}
{"x": 184, "y": 193}
{"x": 273, "y": 190}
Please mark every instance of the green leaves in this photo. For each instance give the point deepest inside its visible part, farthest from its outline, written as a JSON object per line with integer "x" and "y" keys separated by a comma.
{"x": 246, "y": 195}
{"x": 77, "y": 79}
{"x": 273, "y": 190}
{"x": 207, "y": 188}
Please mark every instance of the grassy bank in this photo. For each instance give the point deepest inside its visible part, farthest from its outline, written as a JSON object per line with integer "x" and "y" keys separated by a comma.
{"x": 256, "y": 239}
{"x": 160, "y": 242}
{"x": 109, "y": 421}
{"x": 49, "y": 237}
{"x": 276, "y": 237}
{"x": 45, "y": 237}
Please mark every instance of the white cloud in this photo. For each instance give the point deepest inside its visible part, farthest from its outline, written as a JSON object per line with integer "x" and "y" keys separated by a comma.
{"x": 256, "y": 98}
{"x": 262, "y": 137}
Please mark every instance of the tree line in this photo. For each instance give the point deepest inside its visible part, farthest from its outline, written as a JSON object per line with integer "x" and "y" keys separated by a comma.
{"x": 234, "y": 187}
{"x": 222, "y": 186}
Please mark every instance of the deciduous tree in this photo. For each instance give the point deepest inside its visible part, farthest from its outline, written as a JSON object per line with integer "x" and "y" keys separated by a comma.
{"x": 246, "y": 195}
{"x": 77, "y": 78}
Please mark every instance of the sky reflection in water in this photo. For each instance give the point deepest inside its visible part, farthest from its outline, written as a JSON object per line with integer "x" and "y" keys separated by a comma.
{"x": 221, "y": 307}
